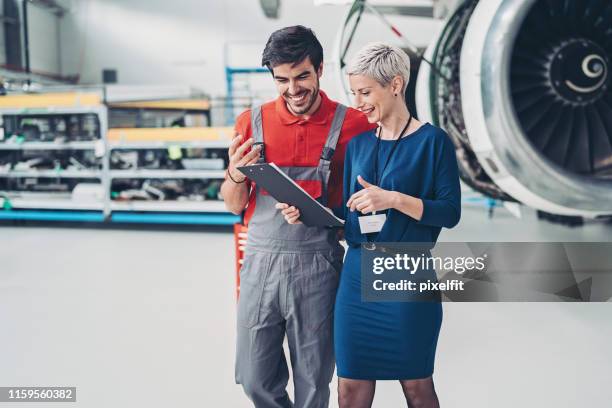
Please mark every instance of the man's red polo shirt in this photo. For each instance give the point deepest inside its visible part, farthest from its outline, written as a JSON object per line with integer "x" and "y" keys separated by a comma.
{"x": 292, "y": 141}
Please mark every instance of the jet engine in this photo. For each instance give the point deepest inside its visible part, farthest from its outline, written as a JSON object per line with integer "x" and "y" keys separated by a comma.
{"x": 523, "y": 89}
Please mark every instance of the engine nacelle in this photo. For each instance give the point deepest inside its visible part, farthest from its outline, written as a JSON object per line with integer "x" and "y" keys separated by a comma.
{"x": 523, "y": 89}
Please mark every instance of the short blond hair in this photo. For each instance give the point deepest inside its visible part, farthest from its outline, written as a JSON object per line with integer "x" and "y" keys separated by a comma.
{"x": 381, "y": 62}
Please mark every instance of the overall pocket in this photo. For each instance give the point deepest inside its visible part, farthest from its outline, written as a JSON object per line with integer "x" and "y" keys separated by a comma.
{"x": 253, "y": 275}
{"x": 319, "y": 304}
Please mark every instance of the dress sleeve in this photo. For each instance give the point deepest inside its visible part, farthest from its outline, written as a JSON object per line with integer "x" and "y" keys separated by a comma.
{"x": 444, "y": 210}
{"x": 340, "y": 211}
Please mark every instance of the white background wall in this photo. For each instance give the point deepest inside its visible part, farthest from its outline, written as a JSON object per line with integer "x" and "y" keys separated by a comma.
{"x": 44, "y": 38}
{"x": 2, "y": 44}
{"x": 182, "y": 42}
{"x": 174, "y": 42}
{"x": 44, "y": 28}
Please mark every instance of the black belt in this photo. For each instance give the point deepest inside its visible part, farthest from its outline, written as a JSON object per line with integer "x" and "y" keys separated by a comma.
{"x": 390, "y": 249}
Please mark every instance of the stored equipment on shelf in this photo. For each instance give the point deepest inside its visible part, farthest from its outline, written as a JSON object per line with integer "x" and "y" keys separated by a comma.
{"x": 63, "y": 157}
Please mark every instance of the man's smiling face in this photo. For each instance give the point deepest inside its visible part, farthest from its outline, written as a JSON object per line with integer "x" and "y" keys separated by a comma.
{"x": 298, "y": 85}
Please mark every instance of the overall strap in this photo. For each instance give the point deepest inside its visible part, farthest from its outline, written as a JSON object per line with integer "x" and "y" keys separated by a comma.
{"x": 330, "y": 146}
{"x": 257, "y": 130}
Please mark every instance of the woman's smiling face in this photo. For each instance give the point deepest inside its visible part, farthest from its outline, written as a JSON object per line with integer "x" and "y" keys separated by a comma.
{"x": 371, "y": 98}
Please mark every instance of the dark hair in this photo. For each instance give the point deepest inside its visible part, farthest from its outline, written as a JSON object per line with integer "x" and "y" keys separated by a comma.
{"x": 292, "y": 45}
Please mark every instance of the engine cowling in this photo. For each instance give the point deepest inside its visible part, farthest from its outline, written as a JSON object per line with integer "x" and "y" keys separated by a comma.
{"x": 523, "y": 89}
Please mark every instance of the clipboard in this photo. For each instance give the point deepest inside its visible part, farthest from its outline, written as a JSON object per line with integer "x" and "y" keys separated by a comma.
{"x": 285, "y": 190}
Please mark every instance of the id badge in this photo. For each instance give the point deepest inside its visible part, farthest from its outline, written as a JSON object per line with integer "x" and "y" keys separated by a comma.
{"x": 372, "y": 223}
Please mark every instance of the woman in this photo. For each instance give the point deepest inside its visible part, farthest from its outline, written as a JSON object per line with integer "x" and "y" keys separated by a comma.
{"x": 406, "y": 170}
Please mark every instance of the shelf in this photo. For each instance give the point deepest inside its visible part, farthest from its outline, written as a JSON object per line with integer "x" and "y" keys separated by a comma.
{"x": 212, "y": 206}
{"x": 53, "y": 204}
{"x": 86, "y": 145}
{"x": 204, "y": 144}
{"x": 194, "y": 105}
{"x": 60, "y": 206}
{"x": 50, "y": 110}
{"x": 52, "y": 174}
{"x": 171, "y": 174}
{"x": 50, "y": 102}
{"x": 152, "y": 218}
{"x": 82, "y": 216}
{"x": 178, "y": 135}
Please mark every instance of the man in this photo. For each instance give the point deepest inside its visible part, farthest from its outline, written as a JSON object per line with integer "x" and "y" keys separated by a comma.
{"x": 290, "y": 273}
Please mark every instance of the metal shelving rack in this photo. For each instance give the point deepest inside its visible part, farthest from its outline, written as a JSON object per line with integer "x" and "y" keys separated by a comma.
{"x": 231, "y": 73}
{"x": 58, "y": 206}
{"x": 19, "y": 205}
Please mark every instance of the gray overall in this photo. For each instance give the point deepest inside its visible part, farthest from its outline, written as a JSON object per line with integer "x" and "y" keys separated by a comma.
{"x": 288, "y": 284}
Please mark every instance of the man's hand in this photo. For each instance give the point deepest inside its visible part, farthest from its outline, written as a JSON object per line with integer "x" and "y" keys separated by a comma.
{"x": 290, "y": 213}
{"x": 234, "y": 191}
{"x": 371, "y": 198}
{"x": 237, "y": 158}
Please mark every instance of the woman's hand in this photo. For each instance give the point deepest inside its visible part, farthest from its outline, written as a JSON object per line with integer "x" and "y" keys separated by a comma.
{"x": 371, "y": 198}
{"x": 290, "y": 213}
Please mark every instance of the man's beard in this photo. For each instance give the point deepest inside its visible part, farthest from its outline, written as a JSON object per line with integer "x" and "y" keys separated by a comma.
{"x": 311, "y": 101}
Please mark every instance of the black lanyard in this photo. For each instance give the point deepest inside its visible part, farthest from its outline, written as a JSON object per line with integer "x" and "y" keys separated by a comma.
{"x": 371, "y": 236}
{"x": 376, "y": 180}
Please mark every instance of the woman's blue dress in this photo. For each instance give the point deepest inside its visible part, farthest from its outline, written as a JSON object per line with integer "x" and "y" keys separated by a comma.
{"x": 394, "y": 340}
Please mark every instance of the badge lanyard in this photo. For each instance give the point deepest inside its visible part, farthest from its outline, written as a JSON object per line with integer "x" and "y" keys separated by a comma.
{"x": 377, "y": 181}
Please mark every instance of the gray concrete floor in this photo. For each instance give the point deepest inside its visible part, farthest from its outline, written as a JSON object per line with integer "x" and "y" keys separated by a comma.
{"x": 137, "y": 318}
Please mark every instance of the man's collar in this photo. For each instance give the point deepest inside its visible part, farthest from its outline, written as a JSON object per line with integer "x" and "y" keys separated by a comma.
{"x": 320, "y": 117}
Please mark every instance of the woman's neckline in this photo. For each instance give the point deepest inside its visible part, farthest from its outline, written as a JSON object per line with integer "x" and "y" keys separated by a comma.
{"x": 408, "y": 136}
